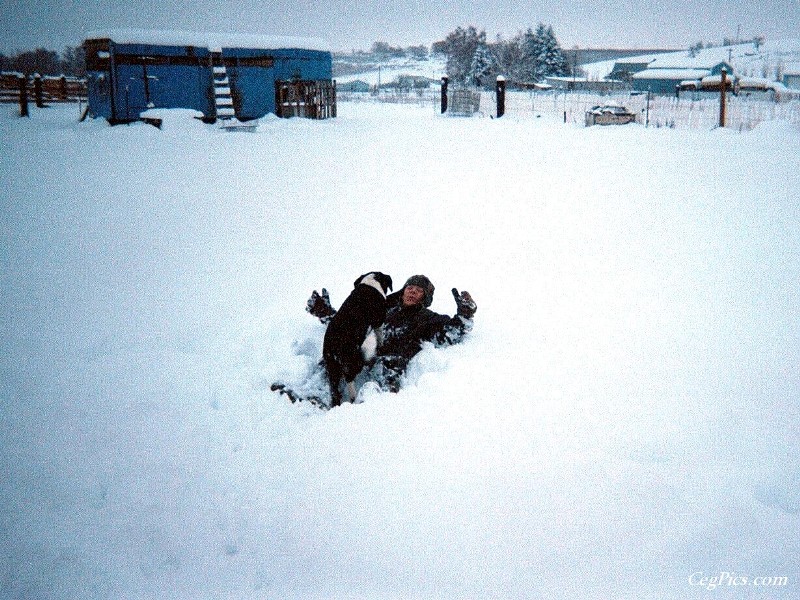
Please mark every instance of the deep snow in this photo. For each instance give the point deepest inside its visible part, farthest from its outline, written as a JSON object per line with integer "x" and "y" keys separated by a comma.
{"x": 622, "y": 421}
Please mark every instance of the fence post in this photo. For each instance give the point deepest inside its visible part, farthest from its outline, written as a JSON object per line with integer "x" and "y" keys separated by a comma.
{"x": 723, "y": 85}
{"x": 444, "y": 95}
{"x": 23, "y": 96}
{"x": 501, "y": 96}
{"x": 62, "y": 87}
{"x": 37, "y": 90}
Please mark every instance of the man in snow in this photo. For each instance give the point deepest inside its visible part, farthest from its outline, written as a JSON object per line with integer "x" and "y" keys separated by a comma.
{"x": 409, "y": 323}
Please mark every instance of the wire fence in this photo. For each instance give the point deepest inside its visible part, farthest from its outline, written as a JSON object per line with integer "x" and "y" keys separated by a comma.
{"x": 695, "y": 111}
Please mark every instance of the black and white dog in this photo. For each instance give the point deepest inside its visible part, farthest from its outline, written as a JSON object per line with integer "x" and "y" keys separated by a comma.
{"x": 351, "y": 332}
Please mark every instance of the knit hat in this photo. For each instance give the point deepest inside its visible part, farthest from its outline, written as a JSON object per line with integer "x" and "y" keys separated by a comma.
{"x": 426, "y": 285}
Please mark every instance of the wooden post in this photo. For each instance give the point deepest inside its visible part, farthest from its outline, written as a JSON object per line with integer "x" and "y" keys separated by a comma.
{"x": 444, "y": 95}
{"x": 501, "y": 96}
{"x": 723, "y": 85}
{"x": 37, "y": 90}
{"x": 62, "y": 87}
{"x": 23, "y": 96}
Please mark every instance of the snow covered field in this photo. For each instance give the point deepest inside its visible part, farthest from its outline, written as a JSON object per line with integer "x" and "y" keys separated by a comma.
{"x": 622, "y": 423}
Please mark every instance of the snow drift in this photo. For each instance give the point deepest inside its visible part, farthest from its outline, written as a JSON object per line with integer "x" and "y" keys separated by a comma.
{"x": 622, "y": 422}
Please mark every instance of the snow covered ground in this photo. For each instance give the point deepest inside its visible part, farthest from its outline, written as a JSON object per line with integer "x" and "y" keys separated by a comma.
{"x": 622, "y": 422}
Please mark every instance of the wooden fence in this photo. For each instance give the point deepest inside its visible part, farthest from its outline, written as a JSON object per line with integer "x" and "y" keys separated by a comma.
{"x": 41, "y": 90}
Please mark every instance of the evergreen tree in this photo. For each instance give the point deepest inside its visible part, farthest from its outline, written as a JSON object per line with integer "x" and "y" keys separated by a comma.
{"x": 482, "y": 66}
{"x": 530, "y": 50}
{"x": 507, "y": 57}
{"x": 528, "y": 57}
{"x": 552, "y": 61}
{"x": 459, "y": 47}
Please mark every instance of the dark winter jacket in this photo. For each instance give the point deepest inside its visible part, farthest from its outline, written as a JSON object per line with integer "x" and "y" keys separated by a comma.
{"x": 405, "y": 329}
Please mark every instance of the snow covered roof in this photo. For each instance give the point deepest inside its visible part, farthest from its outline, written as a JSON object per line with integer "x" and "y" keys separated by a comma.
{"x": 682, "y": 61}
{"x": 676, "y": 74}
{"x": 634, "y": 60}
{"x": 212, "y": 40}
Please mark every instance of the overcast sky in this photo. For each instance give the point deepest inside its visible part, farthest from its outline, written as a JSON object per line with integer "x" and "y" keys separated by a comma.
{"x": 356, "y": 24}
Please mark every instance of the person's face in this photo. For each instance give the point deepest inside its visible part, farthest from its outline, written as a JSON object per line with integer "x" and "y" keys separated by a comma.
{"x": 413, "y": 295}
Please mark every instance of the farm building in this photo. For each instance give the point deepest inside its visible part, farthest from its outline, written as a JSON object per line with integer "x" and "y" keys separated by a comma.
{"x": 625, "y": 69}
{"x": 665, "y": 75}
{"x": 222, "y": 76}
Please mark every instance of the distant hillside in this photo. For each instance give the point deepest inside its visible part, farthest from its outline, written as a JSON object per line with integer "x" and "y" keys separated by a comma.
{"x": 376, "y": 70}
{"x": 592, "y": 55}
{"x": 768, "y": 60}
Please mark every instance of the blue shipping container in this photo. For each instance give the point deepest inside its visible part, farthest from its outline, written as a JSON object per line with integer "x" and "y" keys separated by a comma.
{"x": 130, "y": 73}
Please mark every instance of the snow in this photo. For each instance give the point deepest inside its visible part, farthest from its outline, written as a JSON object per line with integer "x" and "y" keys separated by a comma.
{"x": 434, "y": 68}
{"x": 621, "y": 423}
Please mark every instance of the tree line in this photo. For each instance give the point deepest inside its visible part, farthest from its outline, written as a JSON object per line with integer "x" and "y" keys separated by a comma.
{"x": 70, "y": 62}
{"x": 528, "y": 57}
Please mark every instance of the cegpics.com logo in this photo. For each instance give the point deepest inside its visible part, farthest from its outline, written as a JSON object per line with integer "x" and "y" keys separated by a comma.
{"x": 725, "y": 579}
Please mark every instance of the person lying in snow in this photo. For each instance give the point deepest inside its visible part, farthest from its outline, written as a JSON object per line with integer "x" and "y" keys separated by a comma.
{"x": 409, "y": 322}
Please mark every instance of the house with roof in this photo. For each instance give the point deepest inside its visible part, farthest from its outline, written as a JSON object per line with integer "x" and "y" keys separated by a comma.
{"x": 665, "y": 74}
{"x": 223, "y": 76}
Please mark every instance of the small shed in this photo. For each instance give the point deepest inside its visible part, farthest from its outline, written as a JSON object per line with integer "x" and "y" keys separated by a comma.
{"x": 223, "y": 76}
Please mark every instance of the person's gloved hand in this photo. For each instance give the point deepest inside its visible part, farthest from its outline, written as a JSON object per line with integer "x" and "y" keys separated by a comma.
{"x": 320, "y": 306}
{"x": 466, "y": 305}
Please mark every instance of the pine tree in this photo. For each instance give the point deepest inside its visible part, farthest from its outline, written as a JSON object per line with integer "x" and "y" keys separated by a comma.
{"x": 528, "y": 57}
{"x": 552, "y": 61}
{"x": 459, "y": 47}
{"x": 530, "y": 46}
{"x": 482, "y": 66}
{"x": 507, "y": 57}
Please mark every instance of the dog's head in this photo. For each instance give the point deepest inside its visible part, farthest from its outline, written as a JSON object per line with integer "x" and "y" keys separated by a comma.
{"x": 377, "y": 280}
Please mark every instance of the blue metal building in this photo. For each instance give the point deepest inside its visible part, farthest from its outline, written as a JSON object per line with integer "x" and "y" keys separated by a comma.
{"x": 241, "y": 76}
{"x": 664, "y": 76}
